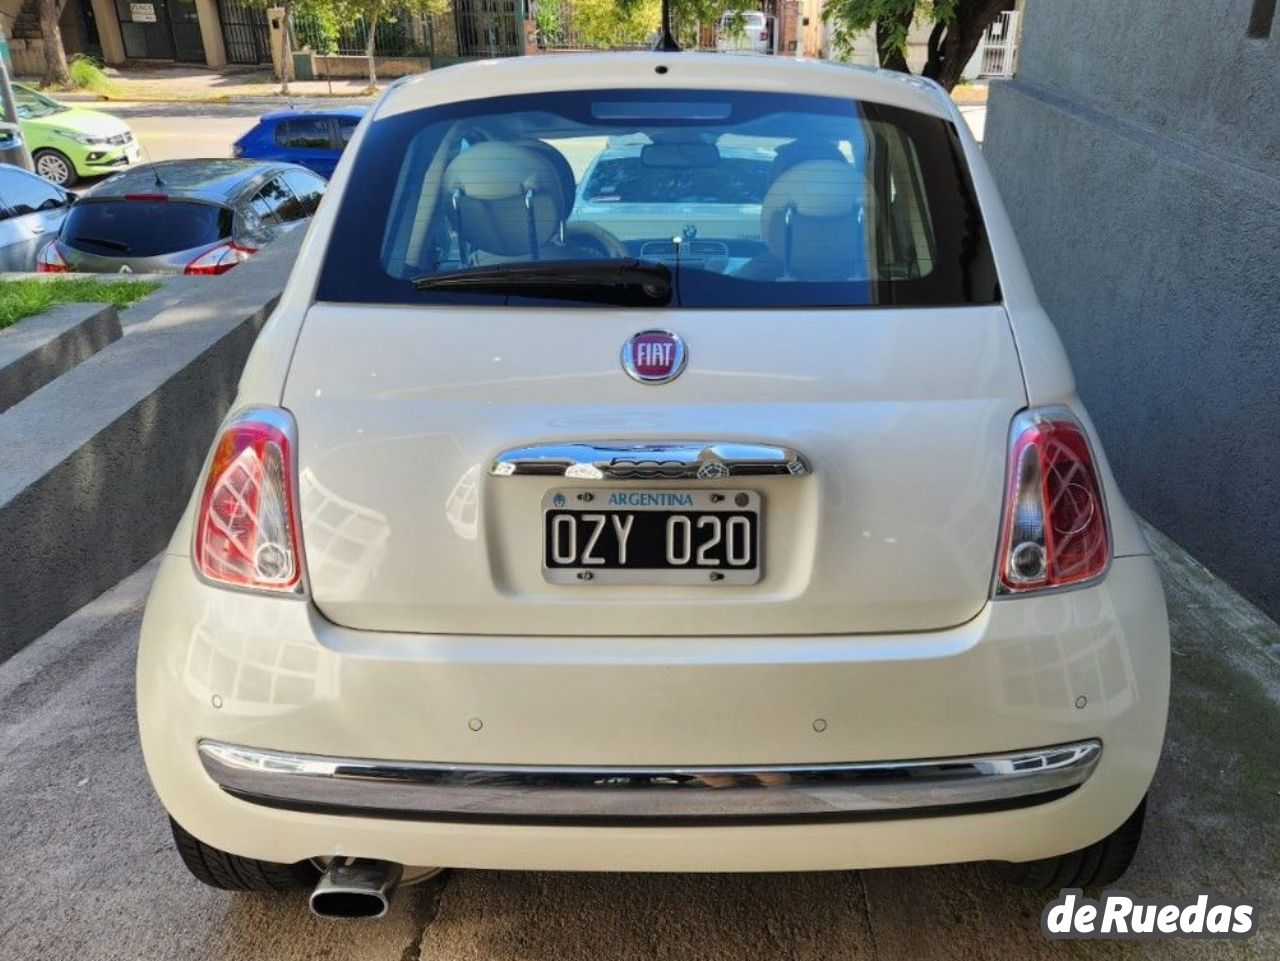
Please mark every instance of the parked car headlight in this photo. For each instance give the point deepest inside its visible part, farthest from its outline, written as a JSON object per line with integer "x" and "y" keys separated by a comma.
{"x": 89, "y": 140}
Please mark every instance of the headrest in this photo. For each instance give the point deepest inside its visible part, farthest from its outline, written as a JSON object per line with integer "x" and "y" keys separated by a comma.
{"x": 826, "y": 200}
{"x": 798, "y": 151}
{"x": 564, "y": 170}
{"x": 502, "y": 171}
{"x": 491, "y": 182}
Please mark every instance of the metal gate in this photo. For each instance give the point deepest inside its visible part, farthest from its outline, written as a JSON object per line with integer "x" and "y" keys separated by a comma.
{"x": 160, "y": 30}
{"x": 245, "y": 33}
{"x": 490, "y": 28}
{"x": 999, "y": 46}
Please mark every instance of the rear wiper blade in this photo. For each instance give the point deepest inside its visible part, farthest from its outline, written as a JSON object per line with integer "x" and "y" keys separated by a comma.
{"x": 100, "y": 242}
{"x": 626, "y": 282}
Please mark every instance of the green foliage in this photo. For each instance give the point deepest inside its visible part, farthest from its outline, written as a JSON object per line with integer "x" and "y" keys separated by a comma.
{"x": 605, "y": 24}
{"x": 319, "y": 27}
{"x": 87, "y": 74}
{"x": 852, "y": 18}
{"x": 629, "y": 23}
{"x": 687, "y": 15}
{"x": 546, "y": 17}
{"x": 25, "y": 298}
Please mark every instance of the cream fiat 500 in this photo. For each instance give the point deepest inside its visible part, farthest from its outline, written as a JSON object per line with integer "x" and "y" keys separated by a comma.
{"x": 771, "y": 536}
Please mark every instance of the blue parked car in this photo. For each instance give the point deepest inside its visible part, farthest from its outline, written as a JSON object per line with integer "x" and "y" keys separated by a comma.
{"x": 312, "y": 138}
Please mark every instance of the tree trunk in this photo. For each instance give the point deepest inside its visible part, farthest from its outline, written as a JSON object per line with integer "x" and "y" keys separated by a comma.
{"x": 55, "y": 58}
{"x": 891, "y": 56}
{"x": 368, "y": 50}
{"x": 286, "y": 51}
{"x": 962, "y": 37}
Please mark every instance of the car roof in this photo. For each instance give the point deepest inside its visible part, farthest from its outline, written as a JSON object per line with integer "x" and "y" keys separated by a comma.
{"x": 659, "y": 70}
{"x": 26, "y": 173}
{"x": 290, "y": 113}
{"x": 218, "y": 180}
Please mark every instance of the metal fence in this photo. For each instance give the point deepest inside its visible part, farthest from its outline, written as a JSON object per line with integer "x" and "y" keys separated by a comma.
{"x": 490, "y": 28}
{"x": 395, "y": 37}
{"x": 999, "y": 46}
{"x": 558, "y": 29}
{"x": 245, "y": 33}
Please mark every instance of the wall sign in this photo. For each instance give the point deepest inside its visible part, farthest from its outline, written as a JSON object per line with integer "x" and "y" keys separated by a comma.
{"x": 142, "y": 12}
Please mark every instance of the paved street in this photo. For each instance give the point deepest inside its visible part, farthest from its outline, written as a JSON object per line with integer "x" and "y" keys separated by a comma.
{"x": 87, "y": 871}
{"x": 176, "y": 131}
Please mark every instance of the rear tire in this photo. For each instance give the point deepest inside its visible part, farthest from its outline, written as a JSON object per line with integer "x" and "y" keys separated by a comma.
{"x": 55, "y": 167}
{"x": 230, "y": 872}
{"x": 1096, "y": 866}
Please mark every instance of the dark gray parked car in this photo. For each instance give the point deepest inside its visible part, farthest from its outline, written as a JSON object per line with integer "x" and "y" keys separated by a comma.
{"x": 31, "y": 211}
{"x": 182, "y": 216}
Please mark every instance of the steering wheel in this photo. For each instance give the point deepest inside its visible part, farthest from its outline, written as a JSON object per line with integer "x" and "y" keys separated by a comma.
{"x": 594, "y": 237}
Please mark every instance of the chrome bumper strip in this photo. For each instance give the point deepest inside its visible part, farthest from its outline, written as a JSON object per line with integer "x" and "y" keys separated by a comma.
{"x": 648, "y": 795}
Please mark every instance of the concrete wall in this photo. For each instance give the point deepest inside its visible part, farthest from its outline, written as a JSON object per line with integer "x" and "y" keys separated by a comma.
{"x": 358, "y": 67}
{"x": 97, "y": 465}
{"x": 1138, "y": 151}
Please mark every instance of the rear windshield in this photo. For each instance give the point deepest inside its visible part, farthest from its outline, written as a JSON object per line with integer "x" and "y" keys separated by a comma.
{"x": 751, "y": 200}
{"x": 145, "y": 228}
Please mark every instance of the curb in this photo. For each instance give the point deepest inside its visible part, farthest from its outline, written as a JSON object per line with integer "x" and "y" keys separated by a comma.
{"x": 271, "y": 98}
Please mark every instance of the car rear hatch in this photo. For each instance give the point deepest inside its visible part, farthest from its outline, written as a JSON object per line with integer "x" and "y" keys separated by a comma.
{"x": 142, "y": 233}
{"x": 901, "y": 414}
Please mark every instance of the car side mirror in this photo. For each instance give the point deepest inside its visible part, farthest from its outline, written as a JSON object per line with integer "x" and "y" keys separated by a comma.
{"x": 70, "y": 197}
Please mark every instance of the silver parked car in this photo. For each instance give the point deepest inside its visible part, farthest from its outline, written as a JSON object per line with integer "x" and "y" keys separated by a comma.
{"x": 31, "y": 210}
{"x": 183, "y": 216}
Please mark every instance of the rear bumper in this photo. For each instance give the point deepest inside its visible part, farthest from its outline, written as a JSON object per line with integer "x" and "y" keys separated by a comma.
{"x": 770, "y": 794}
{"x": 737, "y": 725}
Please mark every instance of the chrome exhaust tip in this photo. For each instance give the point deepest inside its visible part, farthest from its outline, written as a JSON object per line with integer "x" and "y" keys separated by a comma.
{"x": 355, "y": 888}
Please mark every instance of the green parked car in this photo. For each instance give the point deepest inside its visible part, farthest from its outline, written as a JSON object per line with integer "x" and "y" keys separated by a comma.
{"x": 68, "y": 143}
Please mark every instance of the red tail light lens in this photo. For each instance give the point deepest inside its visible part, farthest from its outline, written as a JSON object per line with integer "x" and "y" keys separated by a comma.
{"x": 247, "y": 528}
{"x": 50, "y": 260}
{"x": 219, "y": 260}
{"x": 1055, "y": 523}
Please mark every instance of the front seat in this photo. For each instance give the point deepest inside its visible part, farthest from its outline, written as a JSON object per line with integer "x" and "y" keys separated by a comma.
{"x": 506, "y": 201}
{"x": 813, "y": 219}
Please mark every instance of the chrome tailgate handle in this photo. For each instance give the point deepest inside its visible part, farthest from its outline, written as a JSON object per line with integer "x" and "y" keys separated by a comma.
{"x": 664, "y": 460}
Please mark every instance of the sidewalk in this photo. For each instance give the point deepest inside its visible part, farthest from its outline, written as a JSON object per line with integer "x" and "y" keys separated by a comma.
{"x": 202, "y": 85}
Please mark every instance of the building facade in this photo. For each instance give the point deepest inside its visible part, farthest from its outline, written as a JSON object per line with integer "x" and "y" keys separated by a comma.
{"x": 217, "y": 33}
{"x": 1138, "y": 152}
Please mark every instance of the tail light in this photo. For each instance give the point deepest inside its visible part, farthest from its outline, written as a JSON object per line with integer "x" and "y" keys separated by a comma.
{"x": 50, "y": 260}
{"x": 219, "y": 260}
{"x": 246, "y": 534}
{"x": 1055, "y": 530}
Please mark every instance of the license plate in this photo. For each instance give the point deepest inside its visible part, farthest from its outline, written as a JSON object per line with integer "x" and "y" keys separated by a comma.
{"x": 632, "y": 536}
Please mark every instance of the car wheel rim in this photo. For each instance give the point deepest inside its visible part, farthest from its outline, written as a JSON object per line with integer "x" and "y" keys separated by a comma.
{"x": 53, "y": 169}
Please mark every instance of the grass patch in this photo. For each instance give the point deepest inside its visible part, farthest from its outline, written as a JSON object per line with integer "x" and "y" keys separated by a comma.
{"x": 25, "y": 298}
{"x": 87, "y": 74}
